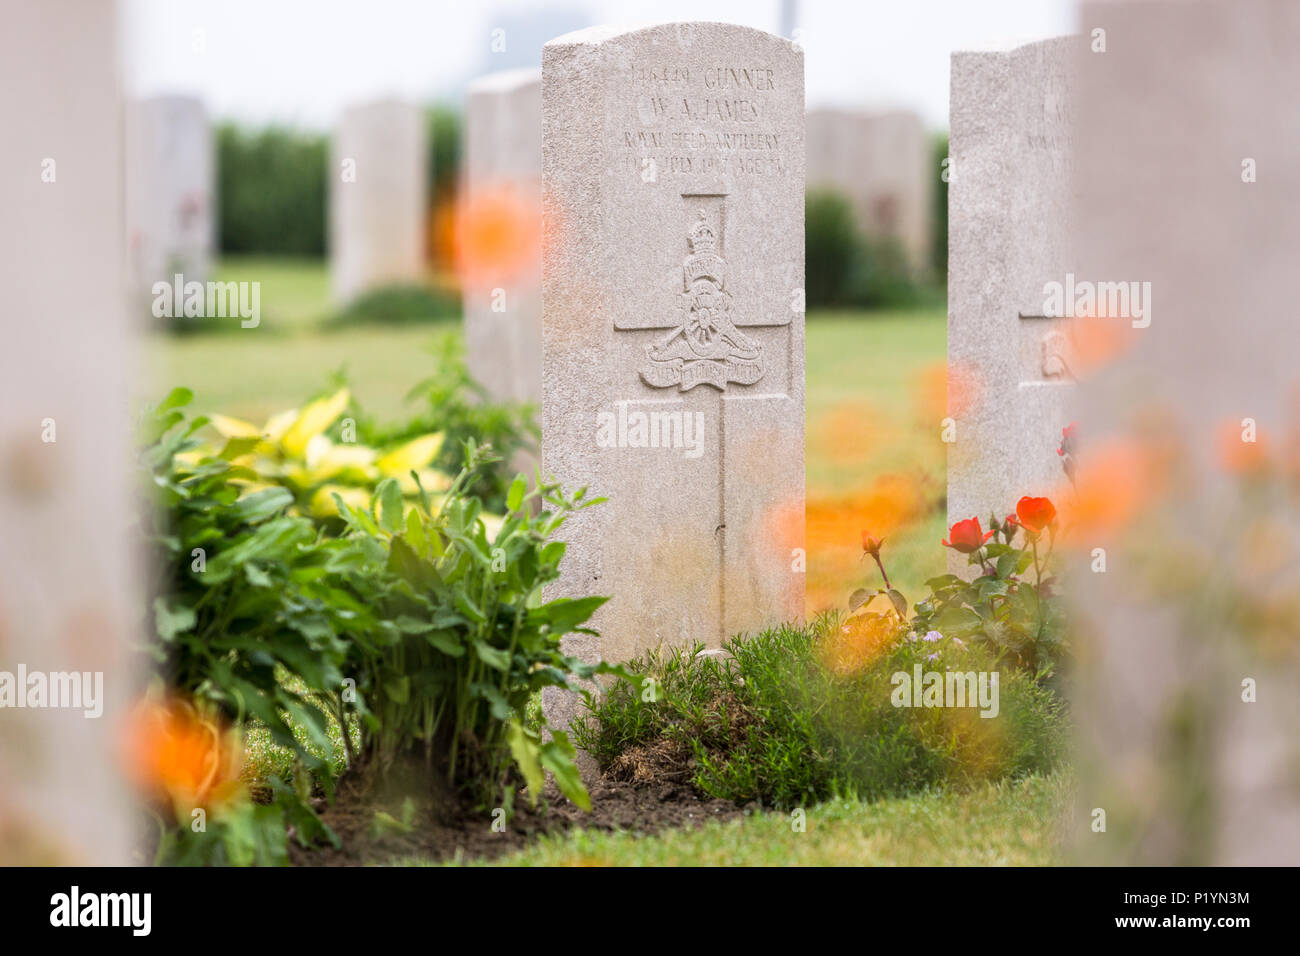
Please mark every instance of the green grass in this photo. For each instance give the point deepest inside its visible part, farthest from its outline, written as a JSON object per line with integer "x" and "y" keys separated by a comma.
{"x": 295, "y": 292}
{"x": 875, "y": 460}
{"x": 250, "y": 373}
{"x": 1006, "y": 824}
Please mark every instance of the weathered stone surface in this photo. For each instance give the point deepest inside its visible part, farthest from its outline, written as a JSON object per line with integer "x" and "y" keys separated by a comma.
{"x": 69, "y": 600}
{"x": 881, "y": 163}
{"x": 673, "y": 168}
{"x": 378, "y": 184}
{"x": 170, "y": 197}
{"x": 1009, "y": 215}
{"x": 502, "y": 191}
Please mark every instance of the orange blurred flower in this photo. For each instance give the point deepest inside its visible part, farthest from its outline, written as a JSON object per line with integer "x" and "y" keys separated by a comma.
{"x": 498, "y": 233}
{"x": 1237, "y": 454}
{"x": 852, "y": 647}
{"x": 891, "y": 502}
{"x": 945, "y": 390}
{"x": 871, "y": 545}
{"x": 174, "y": 752}
{"x": 1035, "y": 514}
{"x": 1112, "y": 484}
{"x": 1100, "y": 340}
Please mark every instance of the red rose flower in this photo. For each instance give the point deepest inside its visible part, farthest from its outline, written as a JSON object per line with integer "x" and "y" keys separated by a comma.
{"x": 1035, "y": 514}
{"x": 966, "y": 536}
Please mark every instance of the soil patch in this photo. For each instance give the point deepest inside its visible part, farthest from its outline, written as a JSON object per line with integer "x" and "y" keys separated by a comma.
{"x": 402, "y": 817}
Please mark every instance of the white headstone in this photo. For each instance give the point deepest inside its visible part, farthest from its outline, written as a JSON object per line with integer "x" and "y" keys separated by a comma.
{"x": 378, "y": 187}
{"x": 1009, "y": 202}
{"x": 69, "y": 600}
{"x": 170, "y": 197}
{"x": 673, "y": 377}
{"x": 881, "y": 162}
{"x": 1186, "y": 701}
{"x": 501, "y": 205}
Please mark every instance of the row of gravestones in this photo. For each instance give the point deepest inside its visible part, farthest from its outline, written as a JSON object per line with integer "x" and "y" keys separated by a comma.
{"x": 377, "y": 229}
{"x": 378, "y": 183}
{"x": 672, "y": 343}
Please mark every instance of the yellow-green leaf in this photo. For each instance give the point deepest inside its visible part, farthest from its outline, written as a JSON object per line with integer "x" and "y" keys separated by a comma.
{"x": 414, "y": 455}
{"x": 229, "y": 427}
{"x": 315, "y": 418}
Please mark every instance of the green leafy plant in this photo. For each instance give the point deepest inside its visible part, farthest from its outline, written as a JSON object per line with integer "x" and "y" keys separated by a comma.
{"x": 312, "y": 454}
{"x": 245, "y": 591}
{"x": 458, "y": 407}
{"x": 470, "y": 639}
{"x": 418, "y": 622}
{"x": 1013, "y": 605}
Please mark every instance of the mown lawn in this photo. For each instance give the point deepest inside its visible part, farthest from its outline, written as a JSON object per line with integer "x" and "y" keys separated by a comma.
{"x": 1014, "y": 823}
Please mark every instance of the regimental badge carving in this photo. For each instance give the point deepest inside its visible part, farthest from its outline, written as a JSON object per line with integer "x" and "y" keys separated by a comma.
{"x": 1058, "y": 356}
{"x": 704, "y": 347}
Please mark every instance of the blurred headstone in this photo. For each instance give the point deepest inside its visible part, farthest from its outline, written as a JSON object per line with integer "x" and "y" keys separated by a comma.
{"x": 673, "y": 376}
{"x": 69, "y": 599}
{"x": 170, "y": 202}
{"x": 378, "y": 197}
{"x": 1009, "y": 235}
{"x": 1186, "y": 150}
{"x": 880, "y": 162}
{"x": 500, "y": 234}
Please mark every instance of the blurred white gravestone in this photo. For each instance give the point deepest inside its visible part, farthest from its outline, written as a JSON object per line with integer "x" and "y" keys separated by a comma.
{"x": 378, "y": 196}
{"x": 1186, "y": 701}
{"x": 880, "y": 162}
{"x": 502, "y": 206}
{"x": 673, "y": 376}
{"x": 1009, "y": 234}
{"x": 68, "y": 595}
{"x": 170, "y": 202}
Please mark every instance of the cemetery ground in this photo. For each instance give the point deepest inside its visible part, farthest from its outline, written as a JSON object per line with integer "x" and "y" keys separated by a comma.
{"x": 875, "y": 392}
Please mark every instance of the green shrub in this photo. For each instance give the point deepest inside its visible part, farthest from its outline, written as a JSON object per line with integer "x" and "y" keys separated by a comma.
{"x": 830, "y": 248}
{"x": 421, "y": 621}
{"x": 461, "y": 409}
{"x": 798, "y": 715}
{"x": 444, "y": 156}
{"x": 846, "y": 269}
{"x": 399, "y": 305}
{"x": 271, "y": 191}
{"x": 470, "y": 640}
{"x": 939, "y": 256}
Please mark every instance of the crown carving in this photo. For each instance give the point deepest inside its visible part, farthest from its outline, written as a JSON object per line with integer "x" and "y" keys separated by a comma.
{"x": 702, "y": 238}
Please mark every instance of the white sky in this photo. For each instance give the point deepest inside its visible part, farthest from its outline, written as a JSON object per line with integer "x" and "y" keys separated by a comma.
{"x": 301, "y": 61}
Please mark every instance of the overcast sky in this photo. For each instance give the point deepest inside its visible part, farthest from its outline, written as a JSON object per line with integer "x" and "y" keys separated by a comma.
{"x": 301, "y": 61}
